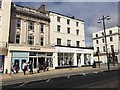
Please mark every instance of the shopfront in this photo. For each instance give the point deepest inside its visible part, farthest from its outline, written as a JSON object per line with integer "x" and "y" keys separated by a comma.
{"x": 77, "y": 56}
{"x": 41, "y": 57}
{"x": 2, "y": 63}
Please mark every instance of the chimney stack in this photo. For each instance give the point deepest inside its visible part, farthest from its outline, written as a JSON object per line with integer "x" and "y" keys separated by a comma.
{"x": 42, "y": 8}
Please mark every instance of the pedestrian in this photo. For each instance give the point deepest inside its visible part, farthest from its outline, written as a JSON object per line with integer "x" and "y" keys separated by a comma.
{"x": 24, "y": 67}
{"x": 31, "y": 67}
{"x": 17, "y": 68}
{"x": 70, "y": 63}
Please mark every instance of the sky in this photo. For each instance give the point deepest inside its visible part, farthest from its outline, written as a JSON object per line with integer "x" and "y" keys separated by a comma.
{"x": 89, "y": 12}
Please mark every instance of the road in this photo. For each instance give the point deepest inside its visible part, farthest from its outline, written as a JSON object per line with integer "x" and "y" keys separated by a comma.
{"x": 107, "y": 79}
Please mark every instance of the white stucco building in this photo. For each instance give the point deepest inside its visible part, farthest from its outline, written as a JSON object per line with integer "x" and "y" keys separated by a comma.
{"x": 36, "y": 35}
{"x": 5, "y": 6}
{"x": 113, "y": 43}
{"x": 67, "y": 36}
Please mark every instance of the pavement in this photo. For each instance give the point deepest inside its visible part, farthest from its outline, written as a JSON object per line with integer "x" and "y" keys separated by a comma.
{"x": 8, "y": 79}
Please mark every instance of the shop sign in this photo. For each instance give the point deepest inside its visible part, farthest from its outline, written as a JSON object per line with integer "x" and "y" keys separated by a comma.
{"x": 34, "y": 48}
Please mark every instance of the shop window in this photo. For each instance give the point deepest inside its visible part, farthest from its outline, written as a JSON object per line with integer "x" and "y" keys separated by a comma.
{"x": 87, "y": 59}
{"x": 64, "y": 58}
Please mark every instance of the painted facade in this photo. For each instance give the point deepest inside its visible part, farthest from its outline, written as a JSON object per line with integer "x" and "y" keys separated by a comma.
{"x": 34, "y": 36}
{"x": 113, "y": 43}
{"x": 5, "y": 6}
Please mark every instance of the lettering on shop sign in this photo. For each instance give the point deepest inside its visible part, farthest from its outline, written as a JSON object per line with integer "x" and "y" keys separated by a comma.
{"x": 34, "y": 48}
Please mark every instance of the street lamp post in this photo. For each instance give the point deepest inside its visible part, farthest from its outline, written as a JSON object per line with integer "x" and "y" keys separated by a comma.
{"x": 103, "y": 19}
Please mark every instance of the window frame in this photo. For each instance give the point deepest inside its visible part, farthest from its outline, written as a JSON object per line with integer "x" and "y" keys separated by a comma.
{"x": 68, "y": 42}
{"x": 59, "y": 41}
{"x": 31, "y": 40}
{"x": 58, "y": 28}
{"x": 18, "y": 23}
{"x": 31, "y": 25}
{"x": 68, "y": 30}
{"x": 17, "y": 40}
{"x": 77, "y": 31}
{"x": 58, "y": 19}
{"x": 68, "y": 22}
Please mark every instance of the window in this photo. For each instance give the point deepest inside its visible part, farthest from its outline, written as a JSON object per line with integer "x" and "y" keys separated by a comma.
{"x": 58, "y": 28}
{"x": 18, "y": 38}
{"x": 77, "y": 32}
{"x": 30, "y": 26}
{"x": 103, "y": 40}
{"x": 18, "y": 21}
{"x": 97, "y": 48}
{"x": 58, "y": 41}
{"x": 96, "y": 35}
{"x": 30, "y": 40}
{"x": 68, "y": 30}
{"x": 58, "y": 19}
{"x": 97, "y": 41}
{"x": 77, "y": 43}
{"x": 102, "y": 33}
{"x": 41, "y": 28}
{"x": 42, "y": 41}
{"x": 112, "y": 47}
{"x": 119, "y": 38}
{"x": 68, "y": 21}
{"x": 111, "y": 38}
{"x": 77, "y": 24}
{"x": 103, "y": 48}
{"x": 110, "y": 32}
{"x": 0, "y": 4}
{"x": 68, "y": 42}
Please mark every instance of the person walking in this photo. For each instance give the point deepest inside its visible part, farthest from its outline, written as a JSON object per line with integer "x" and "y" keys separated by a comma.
{"x": 24, "y": 67}
{"x": 31, "y": 67}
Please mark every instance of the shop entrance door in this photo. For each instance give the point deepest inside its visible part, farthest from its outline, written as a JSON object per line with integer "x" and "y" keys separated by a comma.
{"x": 41, "y": 60}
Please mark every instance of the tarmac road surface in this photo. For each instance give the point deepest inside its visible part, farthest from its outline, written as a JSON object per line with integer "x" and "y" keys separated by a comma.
{"x": 107, "y": 79}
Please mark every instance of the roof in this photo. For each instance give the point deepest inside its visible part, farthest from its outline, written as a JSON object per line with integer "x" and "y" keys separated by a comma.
{"x": 72, "y": 17}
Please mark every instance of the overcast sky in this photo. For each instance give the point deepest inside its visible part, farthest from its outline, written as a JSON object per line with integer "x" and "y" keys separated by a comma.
{"x": 89, "y": 12}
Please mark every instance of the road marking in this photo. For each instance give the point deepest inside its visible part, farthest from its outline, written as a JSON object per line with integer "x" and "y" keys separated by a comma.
{"x": 23, "y": 84}
{"x": 48, "y": 80}
{"x": 68, "y": 76}
{"x": 84, "y": 74}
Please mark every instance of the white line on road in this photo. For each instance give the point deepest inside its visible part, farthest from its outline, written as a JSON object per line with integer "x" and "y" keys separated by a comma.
{"x": 48, "y": 80}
